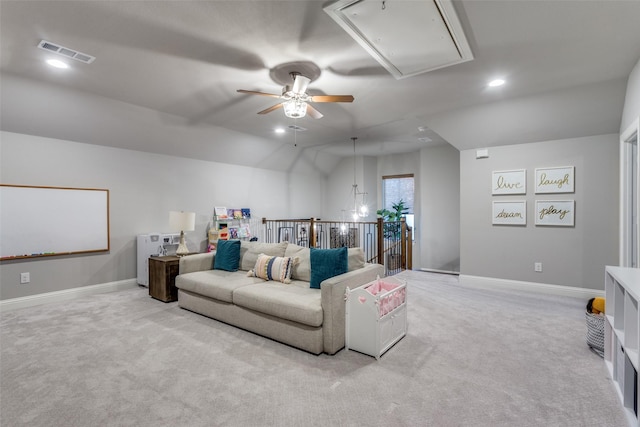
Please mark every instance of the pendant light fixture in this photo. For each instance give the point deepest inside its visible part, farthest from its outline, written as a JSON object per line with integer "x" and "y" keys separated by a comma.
{"x": 360, "y": 208}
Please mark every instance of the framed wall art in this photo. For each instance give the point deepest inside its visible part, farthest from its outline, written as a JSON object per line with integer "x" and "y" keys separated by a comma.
{"x": 285, "y": 234}
{"x": 555, "y": 212}
{"x": 509, "y": 213}
{"x": 302, "y": 234}
{"x": 509, "y": 182}
{"x": 555, "y": 180}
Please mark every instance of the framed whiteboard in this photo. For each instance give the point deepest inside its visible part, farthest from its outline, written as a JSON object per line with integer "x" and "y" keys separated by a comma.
{"x": 49, "y": 221}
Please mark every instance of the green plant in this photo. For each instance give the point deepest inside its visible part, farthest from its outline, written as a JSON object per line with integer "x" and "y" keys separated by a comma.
{"x": 399, "y": 210}
{"x": 391, "y": 218}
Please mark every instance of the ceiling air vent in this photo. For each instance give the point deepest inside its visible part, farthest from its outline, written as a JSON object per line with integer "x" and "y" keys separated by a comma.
{"x": 66, "y": 52}
{"x": 405, "y": 37}
{"x": 296, "y": 128}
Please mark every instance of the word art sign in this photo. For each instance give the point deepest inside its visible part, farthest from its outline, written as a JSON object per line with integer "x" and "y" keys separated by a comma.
{"x": 555, "y": 212}
{"x": 509, "y": 213}
{"x": 509, "y": 182}
{"x": 555, "y": 180}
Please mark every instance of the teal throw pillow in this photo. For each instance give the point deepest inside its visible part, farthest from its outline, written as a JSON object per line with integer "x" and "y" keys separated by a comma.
{"x": 227, "y": 255}
{"x": 327, "y": 263}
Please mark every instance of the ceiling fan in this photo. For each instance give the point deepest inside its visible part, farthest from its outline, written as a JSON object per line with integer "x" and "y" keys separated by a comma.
{"x": 296, "y": 99}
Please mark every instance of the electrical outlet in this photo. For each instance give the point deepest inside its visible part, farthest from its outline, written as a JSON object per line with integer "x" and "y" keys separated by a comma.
{"x": 25, "y": 277}
{"x": 537, "y": 267}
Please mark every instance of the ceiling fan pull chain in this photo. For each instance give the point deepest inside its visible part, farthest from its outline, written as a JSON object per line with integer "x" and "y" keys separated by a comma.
{"x": 384, "y": 4}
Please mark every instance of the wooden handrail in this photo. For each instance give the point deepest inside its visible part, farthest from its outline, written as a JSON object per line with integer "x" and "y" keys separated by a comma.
{"x": 385, "y": 243}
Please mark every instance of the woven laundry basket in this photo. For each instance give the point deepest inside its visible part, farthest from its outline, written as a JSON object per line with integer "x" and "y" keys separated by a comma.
{"x": 595, "y": 332}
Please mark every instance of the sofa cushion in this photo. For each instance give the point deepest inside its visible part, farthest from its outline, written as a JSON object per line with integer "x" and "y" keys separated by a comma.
{"x": 227, "y": 255}
{"x": 273, "y": 268}
{"x": 302, "y": 269}
{"x": 217, "y": 284}
{"x": 326, "y": 263}
{"x": 249, "y": 252}
{"x": 356, "y": 258}
{"x": 295, "y": 302}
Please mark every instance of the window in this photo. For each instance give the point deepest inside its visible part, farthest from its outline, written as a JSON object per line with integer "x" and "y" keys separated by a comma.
{"x": 396, "y": 188}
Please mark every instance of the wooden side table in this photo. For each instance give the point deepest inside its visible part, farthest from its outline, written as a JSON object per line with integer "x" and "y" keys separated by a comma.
{"x": 162, "y": 277}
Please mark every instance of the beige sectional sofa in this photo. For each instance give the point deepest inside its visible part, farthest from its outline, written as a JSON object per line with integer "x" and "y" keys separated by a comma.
{"x": 292, "y": 313}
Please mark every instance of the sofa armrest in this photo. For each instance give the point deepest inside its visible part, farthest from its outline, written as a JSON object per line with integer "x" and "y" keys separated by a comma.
{"x": 196, "y": 262}
{"x": 333, "y": 293}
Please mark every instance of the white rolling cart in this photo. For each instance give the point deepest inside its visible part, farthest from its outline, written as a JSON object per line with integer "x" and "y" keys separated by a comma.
{"x": 376, "y": 316}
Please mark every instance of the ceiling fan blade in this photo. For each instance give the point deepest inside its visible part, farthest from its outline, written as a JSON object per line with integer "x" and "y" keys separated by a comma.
{"x": 332, "y": 98}
{"x": 300, "y": 84}
{"x": 254, "y": 92}
{"x": 270, "y": 109}
{"x": 313, "y": 112}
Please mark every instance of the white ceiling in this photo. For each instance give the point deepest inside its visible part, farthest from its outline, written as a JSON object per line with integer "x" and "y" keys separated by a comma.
{"x": 166, "y": 75}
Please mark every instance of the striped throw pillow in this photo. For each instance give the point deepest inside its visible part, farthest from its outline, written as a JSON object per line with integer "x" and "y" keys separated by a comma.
{"x": 273, "y": 268}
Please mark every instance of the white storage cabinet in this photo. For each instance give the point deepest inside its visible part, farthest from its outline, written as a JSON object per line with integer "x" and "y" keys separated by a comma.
{"x": 374, "y": 323}
{"x": 622, "y": 335}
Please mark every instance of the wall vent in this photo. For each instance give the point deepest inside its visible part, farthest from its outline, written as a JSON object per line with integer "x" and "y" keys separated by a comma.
{"x": 66, "y": 52}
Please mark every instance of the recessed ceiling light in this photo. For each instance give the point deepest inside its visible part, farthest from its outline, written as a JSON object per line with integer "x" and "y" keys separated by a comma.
{"x": 496, "y": 83}
{"x": 57, "y": 63}
{"x": 279, "y": 130}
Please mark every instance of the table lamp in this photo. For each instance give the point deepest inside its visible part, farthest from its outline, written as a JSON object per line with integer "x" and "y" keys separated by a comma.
{"x": 183, "y": 221}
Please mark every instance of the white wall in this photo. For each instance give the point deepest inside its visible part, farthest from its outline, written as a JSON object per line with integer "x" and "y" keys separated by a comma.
{"x": 571, "y": 256}
{"x": 439, "y": 215}
{"x": 340, "y": 185}
{"x": 631, "y": 109}
{"x": 436, "y": 173}
{"x": 143, "y": 188}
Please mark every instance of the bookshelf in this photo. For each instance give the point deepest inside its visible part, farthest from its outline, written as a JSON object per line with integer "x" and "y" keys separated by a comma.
{"x": 622, "y": 335}
{"x": 231, "y": 224}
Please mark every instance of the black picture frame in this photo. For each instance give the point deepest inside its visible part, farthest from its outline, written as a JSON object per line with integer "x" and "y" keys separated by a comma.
{"x": 285, "y": 234}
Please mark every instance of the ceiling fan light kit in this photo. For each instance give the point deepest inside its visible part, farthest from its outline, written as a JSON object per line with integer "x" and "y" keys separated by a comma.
{"x": 295, "y": 109}
{"x": 296, "y": 99}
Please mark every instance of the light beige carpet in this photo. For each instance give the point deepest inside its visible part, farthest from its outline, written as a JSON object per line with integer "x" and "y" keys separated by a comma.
{"x": 471, "y": 358}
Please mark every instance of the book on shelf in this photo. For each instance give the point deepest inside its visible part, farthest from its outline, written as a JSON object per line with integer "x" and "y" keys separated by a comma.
{"x": 233, "y": 232}
{"x": 223, "y": 233}
{"x": 220, "y": 213}
{"x": 244, "y": 232}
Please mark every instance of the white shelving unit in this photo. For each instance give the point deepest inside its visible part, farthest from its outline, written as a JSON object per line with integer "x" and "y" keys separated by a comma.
{"x": 622, "y": 335}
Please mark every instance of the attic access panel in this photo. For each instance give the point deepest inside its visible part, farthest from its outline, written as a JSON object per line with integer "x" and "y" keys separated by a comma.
{"x": 405, "y": 37}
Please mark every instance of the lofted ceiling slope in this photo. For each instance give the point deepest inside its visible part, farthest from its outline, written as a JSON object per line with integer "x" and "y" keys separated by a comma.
{"x": 166, "y": 74}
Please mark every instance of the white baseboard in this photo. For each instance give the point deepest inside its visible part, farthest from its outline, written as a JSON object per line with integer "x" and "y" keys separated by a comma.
{"x": 65, "y": 294}
{"x": 491, "y": 282}
{"x": 433, "y": 270}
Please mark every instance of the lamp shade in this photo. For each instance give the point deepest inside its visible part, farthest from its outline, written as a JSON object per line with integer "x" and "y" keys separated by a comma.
{"x": 182, "y": 221}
